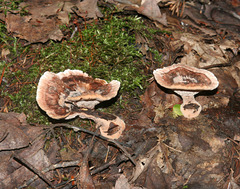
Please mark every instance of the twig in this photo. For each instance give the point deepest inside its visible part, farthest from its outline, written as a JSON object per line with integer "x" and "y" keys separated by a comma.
{"x": 52, "y": 167}
{"x": 84, "y": 177}
{"x": 62, "y": 165}
{"x": 75, "y": 30}
{"x": 75, "y": 163}
{"x": 172, "y": 148}
{"x": 106, "y": 155}
{"x": 108, "y": 164}
{"x": 187, "y": 179}
{"x": 116, "y": 143}
{"x": 33, "y": 169}
{"x": 1, "y": 78}
{"x": 216, "y": 66}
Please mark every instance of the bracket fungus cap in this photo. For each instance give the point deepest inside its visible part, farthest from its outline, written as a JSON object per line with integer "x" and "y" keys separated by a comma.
{"x": 186, "y": 81}
{"x": 58, "y": 93}
{"x": 73, "y": 93}
{"x": 110, "y": 126}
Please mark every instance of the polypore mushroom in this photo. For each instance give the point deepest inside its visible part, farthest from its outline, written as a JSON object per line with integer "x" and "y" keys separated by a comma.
{"x": 67, "y": 94}
{"x": 58, "y": 93}
{"x": 110, "y": 126}
{"x": 186, "y": 81}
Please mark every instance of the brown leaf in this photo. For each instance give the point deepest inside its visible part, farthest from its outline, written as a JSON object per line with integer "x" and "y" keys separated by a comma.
{"x": 11, "y": 136}
{"x": 16, "y": 135}
{"x": 45, "y": 16}
{"x": 33, "y": 30}
{"x": 5, "y": 52}
{"x": 15, "y": 173}
{"x": 150, "y": 9}
{"x": 69, "y": 154}
{"x": 84, "y": 179}
{"x": 202, "y": 54}
{"x": 89, "y": 9}
{"x": 156, "y": 101}
{"x": 154, "y": 176}
{"x": 122, "y": 182}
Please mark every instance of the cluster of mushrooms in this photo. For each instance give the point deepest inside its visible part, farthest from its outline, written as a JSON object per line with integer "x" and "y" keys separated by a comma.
{"x": 72, "y": 93}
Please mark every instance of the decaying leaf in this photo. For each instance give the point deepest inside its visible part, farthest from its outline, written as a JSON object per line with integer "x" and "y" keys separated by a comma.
{"x": 33, "y": 30}
{"x": 147, "y": 8}
{"x": 5, "y": 52}
{"x": 16, "y": 136}
{"x": 144, "y": 161}
{"x": 85, "y": 179}
{"x": 150, "y": 9}
{"x": 122, "y": 182}
{"x": 11, "y": 136}
{"x": 171, "y": 162}
{"x": 43, "y": 19}
{"x": 235, "y": 72}
{"x": 88, "y": 9}
{"x": 69, "y": 154}
{"x": 201, "y": 54}
{"x": 220, "y": 14}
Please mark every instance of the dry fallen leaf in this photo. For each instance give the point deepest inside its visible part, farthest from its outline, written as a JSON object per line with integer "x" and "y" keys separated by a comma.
{"x": 16, "y": 136}
{"x": 11, "y": 136}
{"x": 201, "y": 54}
{"x": 151, "y": 9}
{"x": 147, "y": 8}
{"x": 43, "y": 19}
{"x": 33, "y": 30}
{"x": 122, "y": 182}
{"x": 88, "y": 9}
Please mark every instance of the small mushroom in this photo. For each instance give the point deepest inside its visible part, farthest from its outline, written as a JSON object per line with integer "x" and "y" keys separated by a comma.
{"x": 110, "y": 126}
{"x": 186, "y": 81}
{"x": 72, "y": 93}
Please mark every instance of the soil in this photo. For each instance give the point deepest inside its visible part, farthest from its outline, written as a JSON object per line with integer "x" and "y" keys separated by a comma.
{"x": 157, "y": 149}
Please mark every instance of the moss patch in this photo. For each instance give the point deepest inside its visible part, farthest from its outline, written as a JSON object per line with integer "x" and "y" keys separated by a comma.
{"x": 104, "y": 49}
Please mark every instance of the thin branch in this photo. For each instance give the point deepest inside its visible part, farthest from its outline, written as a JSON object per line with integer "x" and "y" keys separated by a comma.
{"x": 75, "y": 163}
{"x": 84, "y": 177}
{"x": 77, "y": 129}
{"x": 33, "y": 169}
{"x": 52, "y": 167}
{"x": 122, "y": 158}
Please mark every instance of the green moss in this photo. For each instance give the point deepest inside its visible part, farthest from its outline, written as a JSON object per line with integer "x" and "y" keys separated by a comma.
{"x": 12, "y": 5}
{"x": 105, "y": 49}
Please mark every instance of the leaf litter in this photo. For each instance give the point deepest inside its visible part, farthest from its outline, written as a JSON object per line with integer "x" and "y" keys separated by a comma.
{"x": 44, "y": 18}
{"x": 170, "y": 152}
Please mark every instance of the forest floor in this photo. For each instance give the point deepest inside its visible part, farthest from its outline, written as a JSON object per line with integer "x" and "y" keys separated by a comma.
{"x": 124, "y": 41}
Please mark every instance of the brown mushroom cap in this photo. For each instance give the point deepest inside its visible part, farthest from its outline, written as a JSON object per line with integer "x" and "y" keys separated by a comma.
{"x": 50, "y": 96}
{"x": 186, "y": 81}
{"x": 57, "y": 93}
{"x": 182, "y": 77}
{"x": 110, "y": 126}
